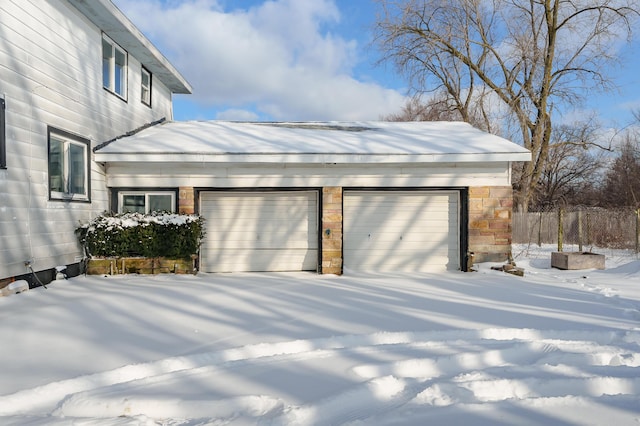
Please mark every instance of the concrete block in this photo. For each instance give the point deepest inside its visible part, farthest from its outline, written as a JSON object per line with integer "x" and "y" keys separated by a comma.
{"x": 479, "y": 191}
{"x": 488, "y": 203}
{"x": 577, "y": 260}
{"x": 475, "y": 205}
{"x": 332, "y": 218}
{"x": 500, "y": 192}
{"x": 499, "y": 224}
{"x": 502, "y": 214}
{"x": 15, "y": 288}
{"x": 479, "y": 224}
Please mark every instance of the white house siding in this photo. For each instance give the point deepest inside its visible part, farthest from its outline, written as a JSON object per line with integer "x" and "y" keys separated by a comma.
{"x": 51, "y": 75}
{"x": 207, "y": 175}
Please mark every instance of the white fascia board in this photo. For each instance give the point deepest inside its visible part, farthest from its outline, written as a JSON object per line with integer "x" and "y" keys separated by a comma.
{"x": 106, "y": 16}
{"x": 310, "y": 158}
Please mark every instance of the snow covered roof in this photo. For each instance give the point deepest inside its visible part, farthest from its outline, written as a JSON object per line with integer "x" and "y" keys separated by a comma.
{"x": 311, "y": 142}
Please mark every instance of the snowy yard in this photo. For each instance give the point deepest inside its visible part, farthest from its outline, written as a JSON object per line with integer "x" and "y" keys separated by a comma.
{"x": 554, "y": 347}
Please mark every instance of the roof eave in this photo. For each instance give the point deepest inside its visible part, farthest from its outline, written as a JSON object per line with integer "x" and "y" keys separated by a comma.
{"x": 106, "y": 16}
{"x": 301, "y": 158}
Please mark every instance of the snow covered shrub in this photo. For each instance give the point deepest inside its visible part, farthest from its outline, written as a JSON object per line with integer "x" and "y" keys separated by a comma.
{"x": 135, "y": 234}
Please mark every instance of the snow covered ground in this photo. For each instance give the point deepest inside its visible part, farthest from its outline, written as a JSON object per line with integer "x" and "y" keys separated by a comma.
{"x": 484, "y": 348}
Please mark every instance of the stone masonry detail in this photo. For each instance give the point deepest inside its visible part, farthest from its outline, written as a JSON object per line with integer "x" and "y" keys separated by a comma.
{"x": 331, "y": 230}
{"x": 186, "y": 200}
{"x": 490, "y": 209}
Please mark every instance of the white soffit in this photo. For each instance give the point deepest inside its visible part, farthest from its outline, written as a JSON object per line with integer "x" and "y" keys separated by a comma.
{"x": 311, "y": 142}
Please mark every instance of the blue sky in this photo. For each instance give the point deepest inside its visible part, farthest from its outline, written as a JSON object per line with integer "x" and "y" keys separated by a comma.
{"x": 300, "y": 60}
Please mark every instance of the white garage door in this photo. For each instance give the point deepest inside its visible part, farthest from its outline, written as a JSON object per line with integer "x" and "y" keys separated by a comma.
{"x": 401, "y": 231}
{"x": 259, "y": 231}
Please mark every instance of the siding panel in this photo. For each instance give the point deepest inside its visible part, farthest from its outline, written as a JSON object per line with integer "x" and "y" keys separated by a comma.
{"x": 313, "y": 175}
{"x": 51, "y": 75}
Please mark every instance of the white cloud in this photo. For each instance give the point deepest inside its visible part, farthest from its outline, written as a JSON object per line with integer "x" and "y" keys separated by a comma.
{"x": 279, "y": 57}
{"x": 234, "y": 114}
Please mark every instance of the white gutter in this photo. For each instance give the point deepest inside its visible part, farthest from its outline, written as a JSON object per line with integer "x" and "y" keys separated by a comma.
{"x": 300, "y": 158}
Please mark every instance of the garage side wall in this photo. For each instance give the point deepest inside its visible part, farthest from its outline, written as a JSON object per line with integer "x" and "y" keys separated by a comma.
{"x": 490, "y": 210}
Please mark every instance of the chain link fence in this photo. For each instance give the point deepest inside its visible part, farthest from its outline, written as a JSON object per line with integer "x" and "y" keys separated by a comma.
{"x": 579, "y": 228}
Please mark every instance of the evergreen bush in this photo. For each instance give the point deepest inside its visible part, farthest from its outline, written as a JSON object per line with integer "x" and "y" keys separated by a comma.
{"x": 158, "y": 234}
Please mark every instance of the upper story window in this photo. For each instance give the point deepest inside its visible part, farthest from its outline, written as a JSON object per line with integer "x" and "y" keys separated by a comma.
{"x": 145, "y": 87}
{"x": 114, "y": 67}
{"x": 3, "y": 141}
{"x": 68, "y": 166}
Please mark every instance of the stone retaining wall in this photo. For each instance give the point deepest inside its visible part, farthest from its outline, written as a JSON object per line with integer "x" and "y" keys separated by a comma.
{"x": 140, "y": 265}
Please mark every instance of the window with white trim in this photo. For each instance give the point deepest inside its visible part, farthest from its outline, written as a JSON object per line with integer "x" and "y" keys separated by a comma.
{"x": 114, "y": 67}
{"x": 145, "y": 87}
{"x": 146, "y": 202}
{"x": 68, "y": 166}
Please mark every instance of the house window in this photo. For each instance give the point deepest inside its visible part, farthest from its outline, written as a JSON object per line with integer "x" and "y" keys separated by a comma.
{"x": 146, "y": 202}
{"x": 68, "y": 166}
{"x": 3, "y": 141}
{"x": 146, "y": 87}
{"x": 114, "y": 67}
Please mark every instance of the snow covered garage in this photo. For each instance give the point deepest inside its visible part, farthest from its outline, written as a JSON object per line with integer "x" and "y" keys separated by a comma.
{"x": 324, "y": 196}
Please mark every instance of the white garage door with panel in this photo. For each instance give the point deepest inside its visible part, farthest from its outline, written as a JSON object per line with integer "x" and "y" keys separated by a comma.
{"x": 408, "y": 231}
{"x": 259, "y": 231}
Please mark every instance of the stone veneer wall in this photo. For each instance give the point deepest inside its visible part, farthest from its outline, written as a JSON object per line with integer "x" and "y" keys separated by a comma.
{"x": 186, "y": 200}
{"x": 331, "y": 230}
{"x": 490, "y": 210}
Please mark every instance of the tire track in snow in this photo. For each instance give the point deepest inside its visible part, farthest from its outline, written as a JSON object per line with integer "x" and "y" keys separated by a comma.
{"x": 467, "y": 366}
{"x": 474, "y": 377}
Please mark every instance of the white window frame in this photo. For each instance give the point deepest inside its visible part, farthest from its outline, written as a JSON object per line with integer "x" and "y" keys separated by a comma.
{"x": 122, "y": 194}
{"x": 145, "y": 90}
{"x": 110, "y": 50}
{"x": 65, "y": 175}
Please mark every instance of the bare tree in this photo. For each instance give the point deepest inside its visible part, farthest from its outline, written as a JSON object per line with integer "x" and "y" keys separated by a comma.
{"x": 416, "y": 110}
{"x": 570, "y": 168}
{"x": 528, "y": 56}
{"x": 622, "y": 181}
{"x": 437, "y": 108}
